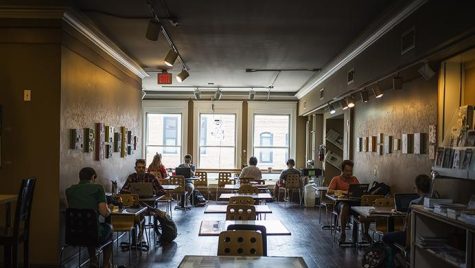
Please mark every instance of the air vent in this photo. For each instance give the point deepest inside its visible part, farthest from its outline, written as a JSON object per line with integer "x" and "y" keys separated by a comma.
{"x": 350, "y": 78}
{"x": 408, "y": 40}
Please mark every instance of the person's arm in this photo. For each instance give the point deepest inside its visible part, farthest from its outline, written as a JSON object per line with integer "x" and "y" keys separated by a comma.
{"x": 126, "y": 187}
{"x": 102, "y": 207}
{"x": 332, "y": 186}
{"x": 157, "y": 187}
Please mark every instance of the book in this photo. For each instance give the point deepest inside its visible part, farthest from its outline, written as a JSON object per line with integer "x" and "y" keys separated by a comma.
{"x": 456, "y": 161}
{"x": 467, "y": 159}
{"x": 440, "y": 157}
{"x": 470, "y": 138}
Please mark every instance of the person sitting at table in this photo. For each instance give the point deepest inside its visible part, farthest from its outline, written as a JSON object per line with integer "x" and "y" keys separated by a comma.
{"x": 189, "y": 187}
{"x": 88, "y": 195}
{"x": 251, "y": 171}
{"x": 342, "y": 183}
{"x": 141, "y": 176}
{"x": 283, "y": 175}
{"x": 157, "y": 168}
{"x": 422, "y": 187}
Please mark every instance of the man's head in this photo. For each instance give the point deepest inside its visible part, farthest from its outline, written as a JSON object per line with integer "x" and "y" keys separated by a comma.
{"x": 188, "y": 159}
{"x": 290, "y": 163}
{"x": 423, "y": 183}
{"x": 347, "y": 169}
{"x": 140, "y": 166}
{"x": 87, "y": 174}
{"x": 252, "y": 161}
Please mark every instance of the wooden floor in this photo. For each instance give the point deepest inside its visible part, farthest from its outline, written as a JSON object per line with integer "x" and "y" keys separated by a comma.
{"x": 307, "y": 240}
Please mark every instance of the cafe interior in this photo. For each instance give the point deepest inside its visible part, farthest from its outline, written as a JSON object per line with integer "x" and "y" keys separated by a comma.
{"x": 253, "y": 109}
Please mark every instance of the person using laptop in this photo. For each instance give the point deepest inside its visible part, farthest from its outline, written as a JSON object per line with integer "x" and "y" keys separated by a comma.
{"x": 189, "y": 187}
{"x": 157, "y": 168}
{"x": 141, "y": 176}
{"x": 342, "y": 183}
{"x": 283, "y": 175}
{"x": 89, "y": 195}
{"x": 422, "y": 187}
{"x": 251, "y": 171}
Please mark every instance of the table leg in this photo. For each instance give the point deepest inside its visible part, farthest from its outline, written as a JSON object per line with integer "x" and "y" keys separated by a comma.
{"x": 8, "y": 220}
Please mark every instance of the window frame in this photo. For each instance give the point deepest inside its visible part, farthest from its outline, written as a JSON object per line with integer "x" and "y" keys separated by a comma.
{"x": 287, "y": 108}
{"x": 165, "y": 135}
{"x": 221, "y": 107}
{"x": 262, "y": 136}
{"x": 165, "y": 107}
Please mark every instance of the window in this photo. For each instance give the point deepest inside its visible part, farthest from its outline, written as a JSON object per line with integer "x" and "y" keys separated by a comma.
{"x": 170, "y": 133}
{"x": 271, "y": 140}
{"x": 266, "y": 139}
{"x": 217, "y": 140}
{"x": 163, "y": 135}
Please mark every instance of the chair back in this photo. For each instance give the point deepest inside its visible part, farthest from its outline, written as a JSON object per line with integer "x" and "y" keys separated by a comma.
{"x": 129, "y": 200}
{"x": 248, "y": 189}
{"x": 368, "y": 200}
{"x": 245, "y": 180}
{"x": 240, "y": 212}
{"x": 177, "y": 180}
{"x": 164, "y": 181}
{"x": 384, "y": 202}
{"x": 241, "y": 200}
{"x": 260, "y": 228}
{"x": 292, "y": 181}
{"x": 23, "y": 207}
{"x": 224, "y": 181}
{"x": 224, "y": 175}
{"x": 81, "y": 227}
{"x": 203, "y": 179}
{"x": 240, "y": 243}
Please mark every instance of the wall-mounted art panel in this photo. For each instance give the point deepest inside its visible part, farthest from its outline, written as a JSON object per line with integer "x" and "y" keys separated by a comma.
{"x": 388, "y": 144}
{"x": 89, "y": 141}
{"x": 380, "y": 139}
{"x": 76, "y": 141}
{"x": 109, "y": 134}
{"x": 396, "y": 144}
{"x": 135, "y": 142}
{"x": 365, "y": 144}
{"x": 407, "y": 143}
{"x": 109, "y": 150}
{"x": 419, "y": 143}
{"x": 117, "y": 142}
{"x": 100, "y": 144}
{"x": 372, "y": 144}
{"x": 360, "y": 144}
{"x": 432, "y": 134}
{"x": 123, "y": 144}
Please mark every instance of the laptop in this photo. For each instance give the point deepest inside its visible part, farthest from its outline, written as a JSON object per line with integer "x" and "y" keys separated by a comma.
{"x": 183, "y": 171}
{"x": 402, "y": 201}
{"x": 142, "y": 189}
{"x": 357, "y": 190}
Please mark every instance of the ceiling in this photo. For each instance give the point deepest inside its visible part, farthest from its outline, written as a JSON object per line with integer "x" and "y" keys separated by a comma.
{"x": 220, "y": 39}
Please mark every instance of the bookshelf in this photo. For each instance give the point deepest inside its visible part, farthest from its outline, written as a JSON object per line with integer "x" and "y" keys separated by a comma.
{"x": 439, "y": 241}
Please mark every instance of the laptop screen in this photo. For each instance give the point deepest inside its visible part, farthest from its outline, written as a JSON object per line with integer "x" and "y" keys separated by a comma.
{"x": 185, "y": 172}
{"x": 357, "y": 190}
{"x": 402, "y": 201}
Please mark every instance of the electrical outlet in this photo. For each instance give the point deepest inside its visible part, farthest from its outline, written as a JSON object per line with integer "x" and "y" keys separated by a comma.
{"x": 27, "y": 95}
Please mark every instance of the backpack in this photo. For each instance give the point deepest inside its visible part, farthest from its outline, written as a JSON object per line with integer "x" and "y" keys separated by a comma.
{"x": 199, "y": 199}
{"x": 168, "y": 226}
{"x": 379, "y": 188}
{"x": 374, "y": 256}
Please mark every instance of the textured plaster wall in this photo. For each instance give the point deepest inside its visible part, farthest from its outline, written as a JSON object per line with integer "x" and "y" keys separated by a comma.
{"x": 90, "y": 94}
{"x": 409, "y": 110}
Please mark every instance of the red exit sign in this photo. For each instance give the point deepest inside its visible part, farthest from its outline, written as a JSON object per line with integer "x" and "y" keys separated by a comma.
{"x": 164, "y": 78}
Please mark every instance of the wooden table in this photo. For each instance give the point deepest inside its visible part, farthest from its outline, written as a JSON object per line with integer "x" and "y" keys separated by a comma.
{"x": 343, "y": 198}
{"x": 235, "y": 187}
{"x": 169, "y": 187}
{"x": 214, "y": 228}
{"x": 8, "y": 199}
{"x": 260, "y": 209}
{"x": 260, "y": 196}
{"x": 238, "y": 261}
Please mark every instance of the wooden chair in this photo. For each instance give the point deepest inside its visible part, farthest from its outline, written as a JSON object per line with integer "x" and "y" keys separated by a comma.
{"x": 223, "y": 179}
{"x": 248, "y": 189}
{"x": 252, "y": 227}
{"x": 292, "y": 184}
{"x": 201, "y": 184}
{"x": 81, "y": 230}
{"x": 241, "y": 213}
{"x": 245, "y": 180}
{"x": 180, "y": 190}
{"x": 240, "y": 243}
{"x": 381, "y": 224}
{"x": 242, "y": 200}
{"x": 11, "y": 238}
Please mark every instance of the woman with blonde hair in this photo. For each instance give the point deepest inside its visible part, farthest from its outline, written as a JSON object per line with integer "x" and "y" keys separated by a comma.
{"x": 157, "y": 168}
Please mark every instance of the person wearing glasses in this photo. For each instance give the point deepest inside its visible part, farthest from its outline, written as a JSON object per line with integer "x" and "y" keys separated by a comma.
{"x": 89, "y": 195}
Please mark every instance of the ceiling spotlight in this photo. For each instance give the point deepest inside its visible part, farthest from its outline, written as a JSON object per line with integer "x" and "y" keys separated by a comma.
{"x": 182, "y": 75}
{"x": 252, "y": 94}
{"x": 153, "y": 30}
{"x": 397, "y": 82}
{"x": 351, "y": 102}
{"x": 426, "y": 71}
{"x": 344, "y": 104}
{"x": 171, "y": 57}
{"x": 331, "y": 108}
{"x": 364, "y": 95}
{"x": 196, "y": 93}
{"x": 218, "y": 94}
{"x": 378, "y": 93}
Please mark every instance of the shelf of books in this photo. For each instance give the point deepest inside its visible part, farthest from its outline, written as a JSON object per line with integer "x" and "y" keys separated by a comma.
{"x": 440, "y": 238}
{"x": 455, "y": 157}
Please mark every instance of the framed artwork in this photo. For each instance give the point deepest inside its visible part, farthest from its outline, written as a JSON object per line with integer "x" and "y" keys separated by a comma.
{"x": 396, "y": 144}
{"x": 360, "y": 144}
{"x": 432, "y": 152}
{"x": 100, "y": 142}
{"x": 380, "y": 138}
{"x": 388, "y": 144}
{"x": 123, "y": 142}
{"x": 372, "y": 143}
{"x": 365, "y": 144}
{"x": 89, "y": 141}
{"x": 432, "y": 134}
{"x": 419, "y": 143}
{"x": 407, "y": 143}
